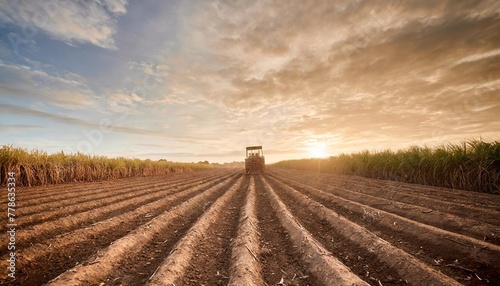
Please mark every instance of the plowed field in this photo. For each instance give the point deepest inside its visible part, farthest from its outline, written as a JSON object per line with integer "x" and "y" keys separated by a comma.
{"x": 222, "y": 227}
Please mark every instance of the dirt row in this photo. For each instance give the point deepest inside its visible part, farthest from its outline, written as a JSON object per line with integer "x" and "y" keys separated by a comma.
{"x": 53, "y": 222}
{"x": 77, "y": 198}
{"x": 456, "y": 253}
{"x": 222, "y": 227}
{"x": 47, "y": 249}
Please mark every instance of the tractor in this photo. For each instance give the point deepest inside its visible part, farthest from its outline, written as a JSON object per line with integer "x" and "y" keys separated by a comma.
{"x": 254, "y": 161}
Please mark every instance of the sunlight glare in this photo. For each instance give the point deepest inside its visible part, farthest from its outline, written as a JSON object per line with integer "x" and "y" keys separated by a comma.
{"x": 318, "y": 150}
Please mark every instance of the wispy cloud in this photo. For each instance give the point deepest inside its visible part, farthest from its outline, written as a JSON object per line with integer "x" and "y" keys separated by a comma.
{"x": 36, "y": 84}
{"x": 24, "y": 111}
{"x": 350, "y": 67}
{"x": 195, "y": 78}
{"x": 478, "y": 57}
{"x": 19, "y": 127}
{"x": 71, "y": 21}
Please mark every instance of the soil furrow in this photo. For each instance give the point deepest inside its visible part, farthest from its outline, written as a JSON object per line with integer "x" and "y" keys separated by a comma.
{"x": 78, "y": 209}
{"x": 96, "y": 269}
{"x": 43, "y": 212}
{"x": 439, "y": 193}
{"x": 384, "y": 188}
{"x": 324, "y": 266}
{"x": 97, "y": 194}
{"x": 279, "y": 259}
{"x": 430, "y": 244}
{"x": 206, "y": 243}
{"x": 46, "y": 259}
{"x": 281, "y": 228}
{"x": 245, "y": 256}
{"x": 385, "y": 262}
{"x": 473, "y": 228}
{"x": 76, "y": 188}
{"x": 102, "y": 212}
{"x": 213, "y": 250}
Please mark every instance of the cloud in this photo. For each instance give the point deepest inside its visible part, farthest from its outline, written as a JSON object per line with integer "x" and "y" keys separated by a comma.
{"x": 150, "y": 145}
{"x": 19, "y": 127}
{"x": 478, "y": 57}
{"x": 124, "y": 102}
{"x": 115, "y": 6}
{"x": 66, "y": 90}
{"x": 70, "y": 21}
{"x": 352, "y": 73}
{"x": 24, "y": 111}
{"x": 346, "y": 67}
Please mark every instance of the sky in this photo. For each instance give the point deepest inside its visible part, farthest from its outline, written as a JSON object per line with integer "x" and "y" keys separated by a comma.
{"x": 200, "y": 80}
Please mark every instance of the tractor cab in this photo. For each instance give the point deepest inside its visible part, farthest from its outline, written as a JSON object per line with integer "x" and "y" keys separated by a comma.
{"x": 254, "y": 161}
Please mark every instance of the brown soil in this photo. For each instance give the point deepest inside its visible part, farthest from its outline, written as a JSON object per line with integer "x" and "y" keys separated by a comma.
{"x": 213, "y": 251}
{"x": 121, "y": 232}
{"x": 279, "y": 262}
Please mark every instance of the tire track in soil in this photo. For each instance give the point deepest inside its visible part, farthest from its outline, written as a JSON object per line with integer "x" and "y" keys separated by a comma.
{"x": 211, "y": 260}
{"x": 280, "y": 262}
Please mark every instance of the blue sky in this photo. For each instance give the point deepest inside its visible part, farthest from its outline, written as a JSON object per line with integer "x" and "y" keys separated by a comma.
{"x": 200, "y": 80}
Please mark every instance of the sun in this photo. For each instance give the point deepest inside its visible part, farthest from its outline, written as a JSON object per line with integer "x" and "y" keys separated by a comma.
{"x": 318, "y": 150}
